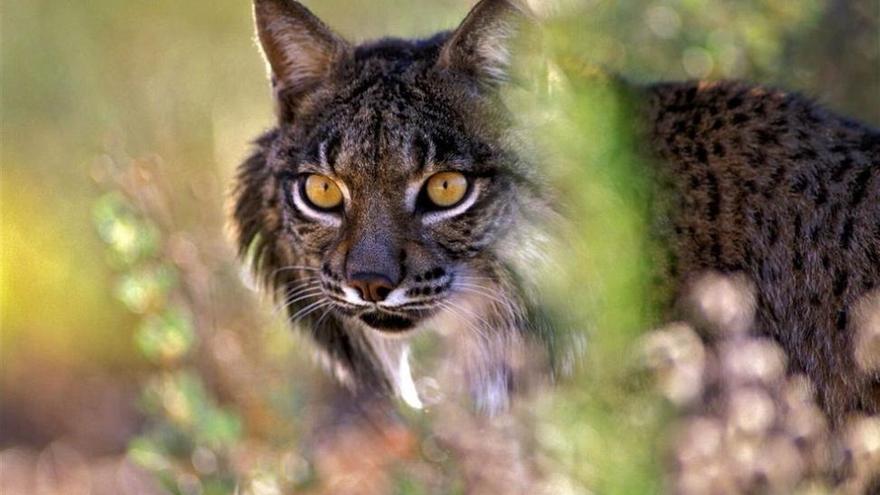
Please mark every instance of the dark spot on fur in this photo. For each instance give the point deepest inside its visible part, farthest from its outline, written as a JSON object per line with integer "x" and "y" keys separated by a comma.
{"x": 760, "y": 110}
{"x": 807, "y": 153}
{"x": 739, "y": 118}
{"x": 847, "y": 234}
{"x": 734, "y": 102}
{"x": 821, "y": 196}
{"x": 870, "y": 142}
{"x": 702, "y": 155}
{"x": 758, "y": 217}
{"x": 716, "y": 248}
{"x": 841, "y": 168}
{"x": 714, "y": 197}
{"x": 777, "y": 175}
{"x": 332, "y": 149}
{"x": 798, "y": 261}
{"x": 799, "y": 184}
{"x": 841, "y": 319}
{"x": 773, "y": 232}
{"x": 680, "y": 127}
{"x": 840, "y": 282}
{"x": 860, "y": 186}
{"x": 766, "y": 138}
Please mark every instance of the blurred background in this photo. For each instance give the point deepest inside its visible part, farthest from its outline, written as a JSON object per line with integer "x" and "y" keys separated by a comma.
{"x": 135, "y": 359}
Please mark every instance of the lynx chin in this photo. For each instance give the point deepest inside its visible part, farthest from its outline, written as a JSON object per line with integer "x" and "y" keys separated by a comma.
{"x": 389, "y": 198}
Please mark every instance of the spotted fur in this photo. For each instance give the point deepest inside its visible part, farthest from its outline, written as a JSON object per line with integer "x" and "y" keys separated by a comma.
{"x": 772, "y": 185}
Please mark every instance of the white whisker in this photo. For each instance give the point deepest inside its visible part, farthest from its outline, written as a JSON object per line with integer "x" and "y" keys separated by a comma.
{"x": 324, "y": 315}
{"x": 302, "y": 313}
{"x": 299, "y": 290}
{"x": 454, "y": 309}
{"x": 298, "y": 296}
{"x": 305, "y": 295}
{"x": 484, "y": 291}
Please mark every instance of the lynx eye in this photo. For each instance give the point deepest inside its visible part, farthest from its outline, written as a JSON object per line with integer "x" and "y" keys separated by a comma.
{"x": 445, "y": 189}
{"x": 322, "y": 192}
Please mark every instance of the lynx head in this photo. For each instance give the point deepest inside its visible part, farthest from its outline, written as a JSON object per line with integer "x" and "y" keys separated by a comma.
{"x": 388, "y": 196}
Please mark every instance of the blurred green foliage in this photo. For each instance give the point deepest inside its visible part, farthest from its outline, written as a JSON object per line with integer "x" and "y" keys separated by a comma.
{"x": 185, "y": 422}
{"x": 166, "y": 337}
{"x": 87, "y": 85}
{"x": 128, "y": 238}
{"x": 602, "y": 416}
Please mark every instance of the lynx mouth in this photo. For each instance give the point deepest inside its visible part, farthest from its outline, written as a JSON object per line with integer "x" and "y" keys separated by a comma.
{"x": 387, "y": 322}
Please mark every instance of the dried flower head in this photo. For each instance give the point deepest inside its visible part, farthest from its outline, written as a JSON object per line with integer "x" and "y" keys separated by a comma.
{"x": 725, "y": 304}
{"x": 751, "y": 411}
{"x": 752, "y": 361}
{"x": 678, "y": 360}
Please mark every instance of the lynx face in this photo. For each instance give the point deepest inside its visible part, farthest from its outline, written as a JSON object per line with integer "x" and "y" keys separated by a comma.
{"x": 388, "y": 205}
{"x": 388, "y": 194}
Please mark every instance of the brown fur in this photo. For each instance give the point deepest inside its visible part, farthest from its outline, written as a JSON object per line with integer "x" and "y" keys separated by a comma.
{"x": 772, "y": 185}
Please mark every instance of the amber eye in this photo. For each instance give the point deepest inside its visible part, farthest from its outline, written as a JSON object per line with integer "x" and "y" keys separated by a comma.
{"x": 322, "y": 192}
{"x": 446, "y": 188}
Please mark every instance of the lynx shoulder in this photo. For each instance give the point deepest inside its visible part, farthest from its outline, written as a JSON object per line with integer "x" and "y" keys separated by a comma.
{"x": 776, "y": 187}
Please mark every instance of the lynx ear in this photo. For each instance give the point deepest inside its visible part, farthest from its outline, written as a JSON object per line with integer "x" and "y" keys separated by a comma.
{"x": 482, "y": 44}
{"x": 300, "y": 49}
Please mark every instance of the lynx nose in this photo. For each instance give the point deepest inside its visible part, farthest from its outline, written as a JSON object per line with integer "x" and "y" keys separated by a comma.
{"x": 372, "y": 287}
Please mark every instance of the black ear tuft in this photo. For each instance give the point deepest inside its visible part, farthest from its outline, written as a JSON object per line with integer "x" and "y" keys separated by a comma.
{"x": 482, "y": 45}
{"x": 300, "y": 49}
